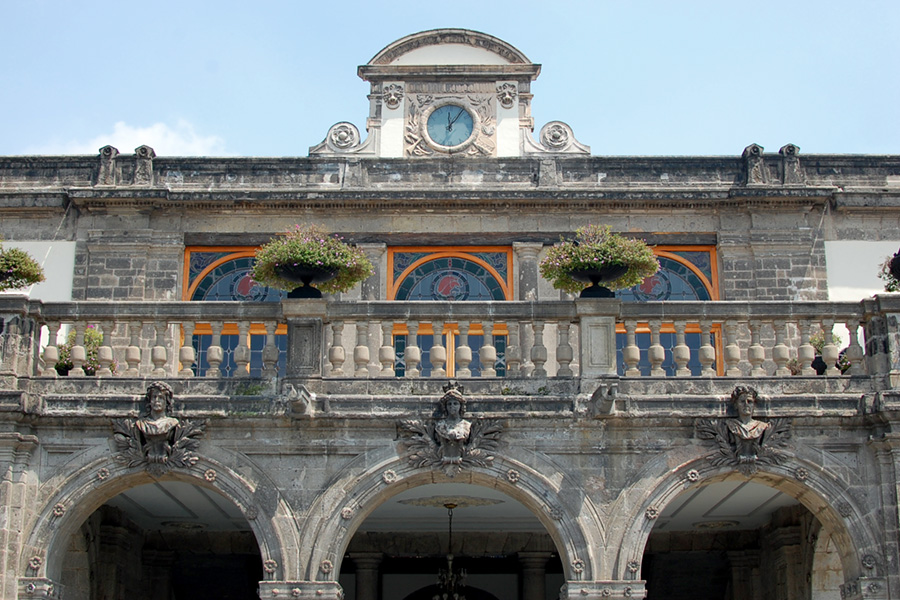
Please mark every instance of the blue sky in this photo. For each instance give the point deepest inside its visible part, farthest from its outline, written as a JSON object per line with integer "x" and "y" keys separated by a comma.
{"x": 270, "y": 78}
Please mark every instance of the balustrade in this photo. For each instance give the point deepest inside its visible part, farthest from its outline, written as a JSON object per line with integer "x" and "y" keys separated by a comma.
{"x": 479, "y": 339}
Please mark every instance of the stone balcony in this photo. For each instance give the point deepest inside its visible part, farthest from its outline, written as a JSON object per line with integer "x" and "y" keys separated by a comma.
{"x": 587, "y": 358}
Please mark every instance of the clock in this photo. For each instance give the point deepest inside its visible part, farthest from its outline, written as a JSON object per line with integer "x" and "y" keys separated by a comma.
{"x": 450, "y": 125}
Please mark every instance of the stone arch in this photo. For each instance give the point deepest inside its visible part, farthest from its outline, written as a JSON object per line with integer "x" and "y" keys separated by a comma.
{"x": 72, "y": 499}
{"x": 378, "y": 475}
{"x": 815, "y": 488}
{"x": 435, "y": 37}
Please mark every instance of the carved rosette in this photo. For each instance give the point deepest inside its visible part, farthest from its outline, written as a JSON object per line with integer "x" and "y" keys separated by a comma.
{"x": 391, "y": 95}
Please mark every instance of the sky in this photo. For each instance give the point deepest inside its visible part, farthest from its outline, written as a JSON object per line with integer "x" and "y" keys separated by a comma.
{"x": 268, "y": 78}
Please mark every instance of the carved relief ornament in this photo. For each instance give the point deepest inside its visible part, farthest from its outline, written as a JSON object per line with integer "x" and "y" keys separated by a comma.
{"x": 480, "y": 106}
{"x": 450, "y": 443}
{"x": 744, "y": 442}
{"x": 157, "y": 441}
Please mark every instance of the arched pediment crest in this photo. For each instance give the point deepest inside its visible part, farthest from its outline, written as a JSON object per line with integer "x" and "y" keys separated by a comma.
{"x": 437, "y": 37}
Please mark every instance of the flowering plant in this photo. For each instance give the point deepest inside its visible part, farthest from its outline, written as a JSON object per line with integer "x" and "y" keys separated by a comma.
{"x": 93, "y": 339}
{"x": 18, "y": 269}
{"x": 311, "y": 246}
{"x": 596, "y": 247}
{"x": 889, "y": 275}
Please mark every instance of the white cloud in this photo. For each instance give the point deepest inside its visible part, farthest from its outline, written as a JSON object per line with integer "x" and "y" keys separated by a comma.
{"x": 166, "y": 140}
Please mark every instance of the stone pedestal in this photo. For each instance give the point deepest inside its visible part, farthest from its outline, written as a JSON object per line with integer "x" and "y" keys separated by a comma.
{"x": 600, "y": 590}
{"x": 598, "y": 336}
{"x": 290, "y": 590}
{"x": 305, "y": 336}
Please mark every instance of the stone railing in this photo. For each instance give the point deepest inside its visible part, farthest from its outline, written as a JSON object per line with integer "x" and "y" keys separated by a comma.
{"x": 318, "y": 338}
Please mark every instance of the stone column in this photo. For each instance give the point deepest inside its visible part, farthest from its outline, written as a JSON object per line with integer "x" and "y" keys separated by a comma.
{"x": 534, "y": 574}
{"x": 367, "y": 564}
{"x": 527, "y": 265}
{"x": 745, "y": 574}
{"x": 375, "y": 287}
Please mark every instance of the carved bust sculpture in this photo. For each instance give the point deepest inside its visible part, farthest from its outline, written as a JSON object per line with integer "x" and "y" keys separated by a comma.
{"x": 452, "y": 430}
{"x": 743, "y": 441}
{"x": 157, "y": 427}
{"x": 450, "y": 442}
{"x": 747, "y": 432}
{"x": 155, "y": 440}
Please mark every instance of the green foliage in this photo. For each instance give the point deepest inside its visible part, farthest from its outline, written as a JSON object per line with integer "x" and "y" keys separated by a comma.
{"x": 891, "y": 283}
{"x": 18, "y": 269}
{"x": 311, "y": 245}
{"x": 596, "y": 246}
{"x": 93, "y": 339}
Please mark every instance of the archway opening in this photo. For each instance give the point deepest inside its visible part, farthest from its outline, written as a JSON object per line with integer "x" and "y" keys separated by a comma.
{"x": 504, "y": 549}
{"x": 748, "y": 540}
{"x": 163, "y": 540}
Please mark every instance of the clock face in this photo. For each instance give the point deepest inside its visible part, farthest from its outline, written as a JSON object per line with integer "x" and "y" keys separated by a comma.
{"x": 450, "y": 125}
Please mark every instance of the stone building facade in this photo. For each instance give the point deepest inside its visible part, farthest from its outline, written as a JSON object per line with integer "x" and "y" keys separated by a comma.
{"x": 673, "y": 442}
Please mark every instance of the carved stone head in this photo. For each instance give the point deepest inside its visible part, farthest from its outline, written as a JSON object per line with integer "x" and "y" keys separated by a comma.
{"x": 744, "y": 399}
{"x": 161, "y": 390}
{"x": 392, "y": 95}
{"x": 453, "y": 394}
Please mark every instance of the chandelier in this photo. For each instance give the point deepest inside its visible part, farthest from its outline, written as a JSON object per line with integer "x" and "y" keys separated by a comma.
{"x": 450, "y": 583}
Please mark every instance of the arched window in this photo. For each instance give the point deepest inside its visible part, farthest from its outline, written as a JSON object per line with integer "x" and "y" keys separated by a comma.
{"x": 223, "y": 275}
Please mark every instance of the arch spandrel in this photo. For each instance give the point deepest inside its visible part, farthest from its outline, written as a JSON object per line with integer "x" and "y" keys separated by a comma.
{"x": 375, "y": 477}
{"x": 68, "y": 502}
{"x": 825, "y": 496}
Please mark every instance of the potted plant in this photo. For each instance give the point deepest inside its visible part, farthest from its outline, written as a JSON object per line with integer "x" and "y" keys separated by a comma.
{"x": 890, "y": 273}
{"x": 93, "y": 339}
{"x": 598, "y": 256}
{"x": 306, "y": 261}
{"x": 18, "y": 269}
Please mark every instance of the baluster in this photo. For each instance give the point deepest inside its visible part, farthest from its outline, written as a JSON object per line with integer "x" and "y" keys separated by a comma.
{"x": 242, "y": 351}
{"x": 564, "y": 352}
{"x": 780, "y": 352}
{"x": 438, "y": 353}
{"x": 756, "y": 354}
{"x": 513, "y": 351}
{"x": 413, "y": 354}
{"x": 656, "y": 354}
{"x": 806, "y": 353}
{"x": 681, "y": 353}
{"x": 707, "y": 354}
{"x": 526, "y": 342}
{"x": 463, "y": 351}
{"x": 77, "y": 352}
{"x": 133, "y": 351}
{"x": 270, "y": 353}
{"x": 732, "y": 350}
{"x": 51, "y": 350}
{"x": 361, "y": 350}
{"x": 631, "y": 354}
{"x": 105, "y": 352}
{"x": 830, "y": 351}
{"x": 487, "y": 355}
{"x": 336, "y": 354}
{"x": 538, "y": 350}
{"x": 386, "y": 354}
{"x": 854, "y": 351}
{"x": 187, "y": 356}
{"x": 215, "y": 354}
{"x": 159, "y": 356}
{"x": 374, "y": 366}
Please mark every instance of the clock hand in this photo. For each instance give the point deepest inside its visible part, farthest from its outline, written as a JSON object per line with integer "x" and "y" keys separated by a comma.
{"x": 458, "y": 115}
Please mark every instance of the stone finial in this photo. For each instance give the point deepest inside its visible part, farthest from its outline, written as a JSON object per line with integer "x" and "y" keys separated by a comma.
{"x": 143, "y": 168}
{"x": 754, "y": 165}
{"x": 791, "y": 173}
{"x": 107, "y": 175}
